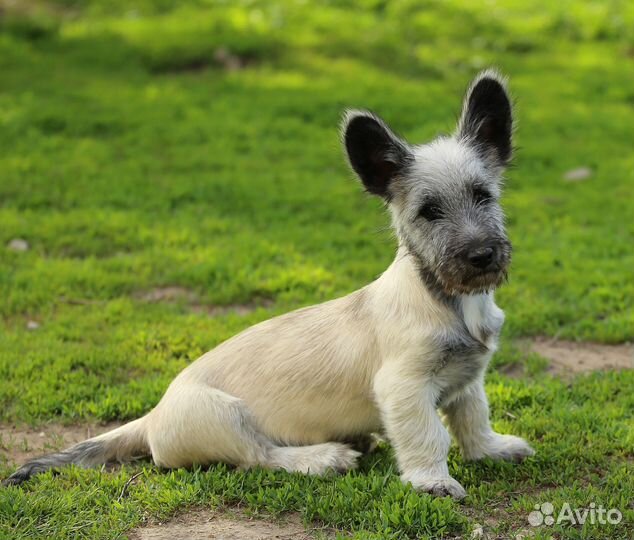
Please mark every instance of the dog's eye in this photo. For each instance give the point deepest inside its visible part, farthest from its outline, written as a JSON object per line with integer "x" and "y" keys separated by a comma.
{"x": 481, "y": 195}
{"x": 431, "y": 211}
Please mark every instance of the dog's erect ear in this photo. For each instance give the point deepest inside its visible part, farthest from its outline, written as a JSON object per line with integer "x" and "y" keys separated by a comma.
{"x": 374, "y": 152}
{"x": 487, "y": 119}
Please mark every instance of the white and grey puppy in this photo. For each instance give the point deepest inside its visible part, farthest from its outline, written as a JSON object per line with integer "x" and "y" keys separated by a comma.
{"x": 294, "y": 391}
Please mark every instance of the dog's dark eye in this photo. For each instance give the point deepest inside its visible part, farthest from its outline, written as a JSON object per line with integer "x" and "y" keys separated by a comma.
{"x": 481, "y": 195}
{"x": 431, "y": 211}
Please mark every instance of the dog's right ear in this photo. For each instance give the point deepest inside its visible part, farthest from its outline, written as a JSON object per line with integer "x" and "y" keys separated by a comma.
{"x": 374, "y": 152}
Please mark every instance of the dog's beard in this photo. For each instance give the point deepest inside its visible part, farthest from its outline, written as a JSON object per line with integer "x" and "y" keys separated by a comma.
{"x": 454, "y": 277}
{"x": 458, "y": 277}
{"x": 472, "y": 284}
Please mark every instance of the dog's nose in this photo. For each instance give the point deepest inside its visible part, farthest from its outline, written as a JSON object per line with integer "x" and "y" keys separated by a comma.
{"x": 481, "y": 257}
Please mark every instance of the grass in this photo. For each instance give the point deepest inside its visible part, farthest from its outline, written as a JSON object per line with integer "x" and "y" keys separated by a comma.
{"x": 133, "y": 158}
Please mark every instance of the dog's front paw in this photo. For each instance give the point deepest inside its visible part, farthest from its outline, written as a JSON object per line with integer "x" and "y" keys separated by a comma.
{"x": 439, "y": 486}
{"x": 507, "y": 447}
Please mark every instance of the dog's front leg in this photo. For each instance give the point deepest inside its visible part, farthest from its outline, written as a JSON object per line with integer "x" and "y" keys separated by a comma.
{"x": 468, "y": 419}
{"x": 407, "y": 402}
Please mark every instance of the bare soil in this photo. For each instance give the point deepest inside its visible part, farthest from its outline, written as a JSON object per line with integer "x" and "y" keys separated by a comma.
{"x": 567, "y": 358}
{"x": 19, "y": 443}
{"x": 181, "y": 294}
{"x": 576, "y": 357}
{"x": 209, "y": 524}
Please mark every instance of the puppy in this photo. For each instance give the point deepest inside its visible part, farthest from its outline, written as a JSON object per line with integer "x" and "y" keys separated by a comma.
{"x": 292, "y": 392}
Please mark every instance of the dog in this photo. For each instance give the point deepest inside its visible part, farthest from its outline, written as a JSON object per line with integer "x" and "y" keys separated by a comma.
{"x": 297, "y": 391}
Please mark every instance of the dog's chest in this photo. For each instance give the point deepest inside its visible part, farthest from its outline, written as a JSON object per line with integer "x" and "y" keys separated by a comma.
{"x": 465, "y": 348}
{"x": 480, "y": 316}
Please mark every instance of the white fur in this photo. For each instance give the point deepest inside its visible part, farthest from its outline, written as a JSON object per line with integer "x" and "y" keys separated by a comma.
{"x": 289, "y": 392}
{"x": 284, "y": 391}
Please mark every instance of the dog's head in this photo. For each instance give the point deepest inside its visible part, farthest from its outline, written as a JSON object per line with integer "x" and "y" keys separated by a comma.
{"x": 444, "y": 196}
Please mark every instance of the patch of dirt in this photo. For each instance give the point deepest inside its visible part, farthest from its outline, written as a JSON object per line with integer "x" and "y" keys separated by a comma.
{"x": 19, "y": 444}
{"x": 168, "y": 294}
{"x": 567, "y": 358}
{"x": 514, "y": 370}
{"x": 576, "y": 357}
{"x": 236, "y": 309}
{"x": 209, "y": 524}
{"x": 181, "y": 294}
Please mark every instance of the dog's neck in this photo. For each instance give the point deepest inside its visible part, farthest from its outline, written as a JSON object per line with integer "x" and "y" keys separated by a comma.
{"x": 429, "y": 279}
{"x": 414, "y": 287}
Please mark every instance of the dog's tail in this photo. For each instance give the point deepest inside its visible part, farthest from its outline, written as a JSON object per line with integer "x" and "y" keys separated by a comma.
{"x": 121, "y": 444}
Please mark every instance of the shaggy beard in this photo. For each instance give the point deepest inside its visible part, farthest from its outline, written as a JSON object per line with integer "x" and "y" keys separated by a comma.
{"x": 478, "y": 284}
{"x": 456, "y": 277}
{"x": 453, "y": 279}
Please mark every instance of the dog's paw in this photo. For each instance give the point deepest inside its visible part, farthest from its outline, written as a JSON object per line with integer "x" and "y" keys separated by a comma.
{"x": 345, "y": 459}
{"x": 439, "y": 486}
{"x": 317, "y": 459}
{"x": 330, "y": 457}
{"x": 506, "y": 447}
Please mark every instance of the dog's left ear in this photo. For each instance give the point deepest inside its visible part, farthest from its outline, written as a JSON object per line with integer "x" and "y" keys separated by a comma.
{"x": 487, "y": 119}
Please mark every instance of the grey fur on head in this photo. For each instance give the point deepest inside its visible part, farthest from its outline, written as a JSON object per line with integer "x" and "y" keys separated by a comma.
{"x": 444, "y": 195}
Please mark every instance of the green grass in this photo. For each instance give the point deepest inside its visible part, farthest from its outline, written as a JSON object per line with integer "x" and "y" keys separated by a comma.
{"x": 130, "y": 159}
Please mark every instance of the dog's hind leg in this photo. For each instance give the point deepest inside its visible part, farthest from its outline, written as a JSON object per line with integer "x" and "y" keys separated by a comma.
{"x": 197, "y": 424}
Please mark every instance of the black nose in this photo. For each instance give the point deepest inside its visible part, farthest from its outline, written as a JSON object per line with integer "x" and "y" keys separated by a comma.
{"x": 481, "y": 257}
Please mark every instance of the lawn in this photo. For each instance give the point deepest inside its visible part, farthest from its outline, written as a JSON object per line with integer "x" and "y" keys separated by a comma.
{"x": 147, "y": 148}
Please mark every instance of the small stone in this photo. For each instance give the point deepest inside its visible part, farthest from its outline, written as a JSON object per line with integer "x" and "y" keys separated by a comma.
{"x": 478, "y": 531}
{"x": 18, "y": 244}
{"x": 32, "y": 325}
{"x": 578, "y": 174}
{"x": 228, "y": 60}
{"x": 42, "y": 434}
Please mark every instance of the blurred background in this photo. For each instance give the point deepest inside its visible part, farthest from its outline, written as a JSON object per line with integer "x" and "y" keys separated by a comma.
{"x": 171, "y": 172}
